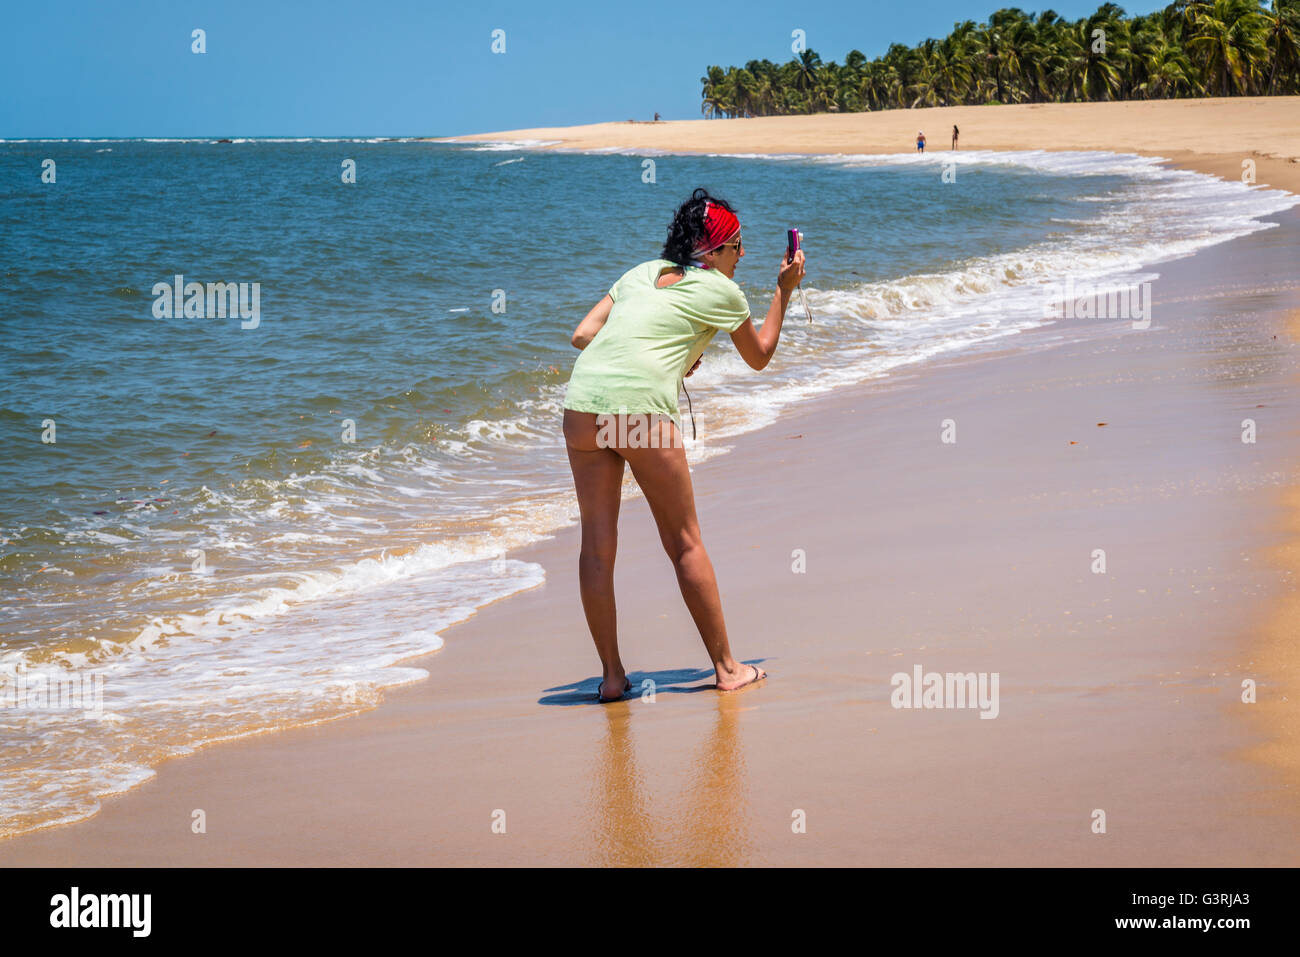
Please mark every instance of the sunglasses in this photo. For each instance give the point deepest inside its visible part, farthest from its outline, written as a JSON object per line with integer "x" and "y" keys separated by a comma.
{"x": 738, "y": 243}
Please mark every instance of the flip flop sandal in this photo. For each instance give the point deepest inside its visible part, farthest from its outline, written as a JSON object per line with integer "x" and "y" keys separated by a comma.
{"x": 759, "y": 675}
{"x": 626, "y": 688}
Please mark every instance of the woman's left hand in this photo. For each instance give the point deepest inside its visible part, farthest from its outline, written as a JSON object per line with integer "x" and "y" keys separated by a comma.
{"x": 694, "y": 367}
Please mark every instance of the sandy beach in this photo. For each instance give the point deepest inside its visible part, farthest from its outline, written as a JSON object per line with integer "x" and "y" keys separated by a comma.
{"x": 1120, "y": 692}
{"x": 1208, "y": 135}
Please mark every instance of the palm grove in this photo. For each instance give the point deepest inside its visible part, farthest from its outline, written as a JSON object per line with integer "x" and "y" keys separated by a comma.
{"x": 1190, "y": 48}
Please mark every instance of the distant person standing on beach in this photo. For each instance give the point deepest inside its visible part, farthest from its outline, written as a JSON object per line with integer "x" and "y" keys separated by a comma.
{"x": 638, "y": 344}
{"x": 920, "y": 142}
{"x": 954, "y": 136}
{"x": 656, "y": 117}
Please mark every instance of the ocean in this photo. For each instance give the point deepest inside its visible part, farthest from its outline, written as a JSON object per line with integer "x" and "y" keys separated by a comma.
{"x": 220, "y": 525}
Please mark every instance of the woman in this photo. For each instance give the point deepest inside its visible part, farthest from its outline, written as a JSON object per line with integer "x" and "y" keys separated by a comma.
{"x": 638, "y": 343}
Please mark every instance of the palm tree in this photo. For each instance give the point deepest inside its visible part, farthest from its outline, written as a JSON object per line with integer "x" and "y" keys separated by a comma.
{"x": 1049, "y": 62}
{"x": 1089, "y": 74}
{"x": 805, "y": 79}
{"x": 944, "y": 75}
{"x": 967, "y": 46}
{"x": 952, "y": 68}
{"x": 1283, "y": 43}
{"x": 1116, "y": 51}
{"x": 855, "y": 65}
{"x": 1227, "y": 36}
{"x": 1007, "y": 38}
{"x": 764, "y": 88}
{"x": 715, "y": 94}
{"x": 1189, "y": 48}
{"x": 1019, "y": 52}
{"x": 871, "y": 87}
{"x": 1170, "y": 73}
{"x": 743, "y": 88}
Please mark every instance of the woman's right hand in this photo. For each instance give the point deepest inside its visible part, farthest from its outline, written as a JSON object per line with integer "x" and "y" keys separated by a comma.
{"x": 791, "y": 273}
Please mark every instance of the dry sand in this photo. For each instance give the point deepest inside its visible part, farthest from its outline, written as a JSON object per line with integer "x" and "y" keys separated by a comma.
{"x": 1118, "y": 692}
{"x": 1209, "y": 135}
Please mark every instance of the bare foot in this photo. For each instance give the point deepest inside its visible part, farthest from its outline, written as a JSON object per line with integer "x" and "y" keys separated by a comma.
{"x": 735, "y": 680}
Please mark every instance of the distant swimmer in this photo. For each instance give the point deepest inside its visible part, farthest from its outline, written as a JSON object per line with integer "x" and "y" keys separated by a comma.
{"x": 954, "y": 136}
{"x": 920, "y": 142}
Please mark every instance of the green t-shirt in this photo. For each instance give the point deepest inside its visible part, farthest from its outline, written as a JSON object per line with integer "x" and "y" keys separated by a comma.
{"x": 652, "y": 336}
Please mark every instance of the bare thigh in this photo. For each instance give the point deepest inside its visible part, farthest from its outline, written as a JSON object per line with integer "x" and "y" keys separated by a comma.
{"x": 665, "y": 479}
{"x": 598, "y": 481}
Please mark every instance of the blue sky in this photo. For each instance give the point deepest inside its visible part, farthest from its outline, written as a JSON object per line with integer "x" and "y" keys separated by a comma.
{"x": 400, "y": 67}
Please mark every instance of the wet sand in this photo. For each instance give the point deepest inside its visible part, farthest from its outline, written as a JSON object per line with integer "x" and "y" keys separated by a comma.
{"x": 1119, "y": 692}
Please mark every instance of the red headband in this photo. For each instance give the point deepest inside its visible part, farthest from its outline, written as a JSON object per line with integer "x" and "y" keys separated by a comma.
{"x": 719, "y": 226}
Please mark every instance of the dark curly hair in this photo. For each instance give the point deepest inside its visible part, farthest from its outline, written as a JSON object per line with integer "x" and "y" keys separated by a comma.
{"x": 687, "y": 228}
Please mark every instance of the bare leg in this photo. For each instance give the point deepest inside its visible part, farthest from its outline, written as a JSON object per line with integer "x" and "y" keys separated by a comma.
{"x": 598, "y": 480}
{"x": 665, "y": 479}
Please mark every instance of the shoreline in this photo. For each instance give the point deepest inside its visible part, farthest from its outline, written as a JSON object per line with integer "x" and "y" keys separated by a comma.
{"x": 375, "y": 759}
{"x": 1208, "y": 135}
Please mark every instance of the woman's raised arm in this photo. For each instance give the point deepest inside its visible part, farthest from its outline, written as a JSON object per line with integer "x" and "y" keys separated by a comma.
{"x": 757, "y": 346}
{"x": 592, "y": 323}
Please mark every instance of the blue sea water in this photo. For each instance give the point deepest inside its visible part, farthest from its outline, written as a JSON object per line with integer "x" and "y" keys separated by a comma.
{"x": 224, "y": 508}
